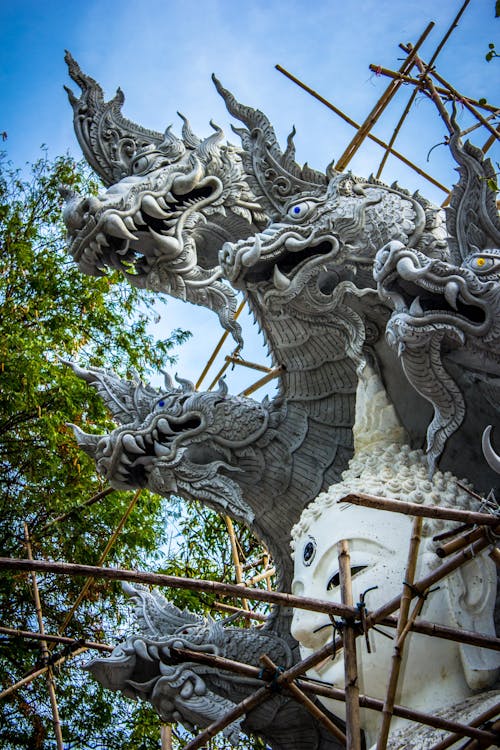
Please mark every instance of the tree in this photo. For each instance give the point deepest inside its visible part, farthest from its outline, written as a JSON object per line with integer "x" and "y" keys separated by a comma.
{"x": 48, "y": 309}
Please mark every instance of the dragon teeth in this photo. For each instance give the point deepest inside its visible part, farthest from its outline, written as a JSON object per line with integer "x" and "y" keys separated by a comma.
{"x": 101, "y": 239}
{"x": 161, "y": 450}
{"x": 281, "y": 282}
{"x": 151, "y": 206}
{"x": 451, "y": 291}
{"x": 138, "y": 219}
{"x": 114, "y": 225}
{"x": 169, "y": 246}
{"x": 164, "y": 426}
{"x": 416, "y": 308}
{"x": 129, "y": 223}
{"x": 130, "y": 444}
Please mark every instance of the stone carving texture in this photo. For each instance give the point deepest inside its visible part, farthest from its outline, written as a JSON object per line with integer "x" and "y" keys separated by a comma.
{"x": 338, "y": 271}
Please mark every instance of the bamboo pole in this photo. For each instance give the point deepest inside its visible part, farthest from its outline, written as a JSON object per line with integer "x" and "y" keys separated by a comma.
{"x": 468, "y": 104}
{"x": 192, "y": 584}
{"x": 166, "y": 737}
{"x": 491, "y": 713}
{"x": 397, "y": 656}
{"x": 16, "y": 633}
{"x": 218, "y": 348}
{"x": 88, "y": 583}
{"x": 356, "y": 125}
{"x": 463, "y": 730}
{"x": 313, "y": 687}
{"x": 263, "y": 381}
{"x": 86, "y": 504}
{"x": 236, "y": 557}
{"x": 460, "y": 542}
{"x": 426, "y": 583}
{"x": 447, "y": 633}
{"x": 427, "y": 511}
{"x": 301, "y": 698}
{"x": 353, "y": 727}
{"x": 419, "y": 84}
{"x": 44, "y": 648}
{"x": 243, "y": 613}
{"x": 37, "y": 672}
{"x": 382, "y": 103}
{"x": 234, "y": 360}
{"x": 264, "y": 576}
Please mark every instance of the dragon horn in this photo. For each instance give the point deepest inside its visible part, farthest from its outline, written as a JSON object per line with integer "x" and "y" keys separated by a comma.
{"x": 87, "y": 442}
{"x": 492, "y": 458}
{"x": 107, "y": 139}
{"x": 186, "y": 385}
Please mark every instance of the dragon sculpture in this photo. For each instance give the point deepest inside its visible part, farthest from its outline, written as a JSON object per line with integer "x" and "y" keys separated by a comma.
{"x": 199, "y": 219}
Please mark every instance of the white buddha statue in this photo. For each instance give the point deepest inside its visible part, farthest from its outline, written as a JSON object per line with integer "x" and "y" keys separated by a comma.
{"x": 436, "y": 673}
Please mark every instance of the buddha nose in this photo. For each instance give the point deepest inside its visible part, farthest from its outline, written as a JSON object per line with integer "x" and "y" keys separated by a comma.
{"x": 307, "y": 628}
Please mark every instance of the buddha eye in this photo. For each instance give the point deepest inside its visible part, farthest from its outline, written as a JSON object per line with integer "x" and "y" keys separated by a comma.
{"x": 334, "y": 581}
{"x": 300, "y": 210}
{"x": 309, "y": 552}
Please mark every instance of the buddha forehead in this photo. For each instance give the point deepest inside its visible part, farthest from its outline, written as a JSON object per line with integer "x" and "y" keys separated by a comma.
{"x": 366, "y": 528}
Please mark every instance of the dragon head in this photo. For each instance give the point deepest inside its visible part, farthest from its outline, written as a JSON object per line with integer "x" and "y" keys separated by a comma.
{"x": 336, "y": 231}
{"x": 170, "y": 204}
{"x": 177, "y": 440}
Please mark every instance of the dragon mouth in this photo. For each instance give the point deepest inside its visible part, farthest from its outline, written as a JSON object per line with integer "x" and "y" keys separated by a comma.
{"x": 423, "y": 303}
{"x": 127, "y": 457}
{"x": 275, "y": 255}
{"x": 430, "y": 291}
{"x": 135, "y": 239}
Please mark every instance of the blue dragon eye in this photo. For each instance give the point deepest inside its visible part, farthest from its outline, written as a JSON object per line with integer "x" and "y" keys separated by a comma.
{"x": 161, "y": 403}
{"x": 300, "y": 210}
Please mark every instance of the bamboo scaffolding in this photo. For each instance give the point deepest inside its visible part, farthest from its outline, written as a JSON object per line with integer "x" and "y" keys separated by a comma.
{"x": 356, "y": 125}
{"x": 264, "y": 576}
{"x": 437, "y": 575}
{"x": 114, "y": 536}
{"x": 401, "y": 631}
{"x": 414, "y": 93}
{"x": 419, "y": 717}
{"x": 460, "y": 542}
{"x": 56, "y": 721}
{"x": 192, "y": 584}
{"x": 234, "y": 360}
{"x": 218, "y": 348}
{"x": 427, "y": 511}
{"x": 37, "y": 672}
{"x": 491, "y": 713}
{"x": 236, "y": 557}
{"x": 16, "y": 633}
{"x": 382, "y": 103}
{"x": 316, "y": 688}
{"x": 301, "y": 698}
{"x": 420, "y": 84}
{"x": 353, "y": 727}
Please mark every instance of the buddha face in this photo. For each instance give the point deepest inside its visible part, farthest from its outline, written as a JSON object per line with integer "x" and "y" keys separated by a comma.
{"x": 378, "y": 544}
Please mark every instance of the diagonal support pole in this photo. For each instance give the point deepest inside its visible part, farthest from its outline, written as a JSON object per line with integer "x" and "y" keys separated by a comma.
{"x": 44, "y": 647}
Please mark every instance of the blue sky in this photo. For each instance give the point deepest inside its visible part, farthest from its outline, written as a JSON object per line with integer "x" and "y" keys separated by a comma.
{"x": 162, "y": 54}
